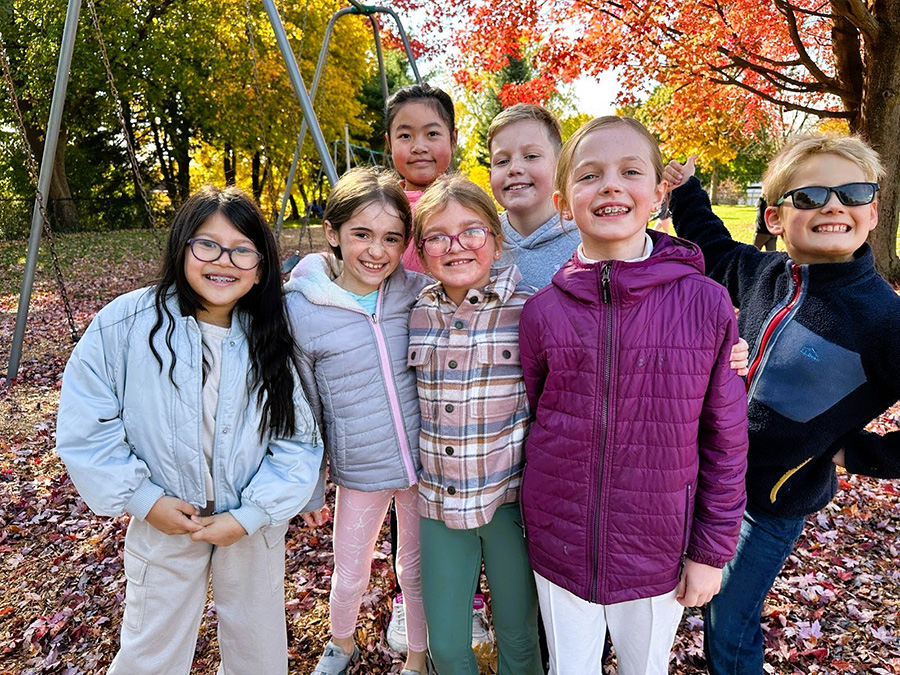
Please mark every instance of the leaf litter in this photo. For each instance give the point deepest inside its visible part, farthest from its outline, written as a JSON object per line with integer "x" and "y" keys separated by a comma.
{"x": 835, "y": 607}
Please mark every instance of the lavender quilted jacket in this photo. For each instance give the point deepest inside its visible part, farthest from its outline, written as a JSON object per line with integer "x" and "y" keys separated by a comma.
{"x": 637, "y": 453}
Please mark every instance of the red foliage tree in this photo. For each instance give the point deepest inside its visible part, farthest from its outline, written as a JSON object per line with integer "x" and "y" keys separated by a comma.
{"x": 826, "y": 58}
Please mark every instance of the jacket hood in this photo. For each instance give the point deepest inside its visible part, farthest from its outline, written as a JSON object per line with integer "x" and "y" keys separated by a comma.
{"x": 314, "y": 276}
{"x": 546, "y": 233}
{"x": 671, "y": 259}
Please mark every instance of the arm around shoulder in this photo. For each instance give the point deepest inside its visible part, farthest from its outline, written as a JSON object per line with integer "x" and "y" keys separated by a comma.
{"x": 722, "y": 442}
{"x": 534, "y": 363}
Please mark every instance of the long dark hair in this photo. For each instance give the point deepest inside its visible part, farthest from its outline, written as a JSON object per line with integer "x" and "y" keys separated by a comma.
{"x": 269, "y": 338}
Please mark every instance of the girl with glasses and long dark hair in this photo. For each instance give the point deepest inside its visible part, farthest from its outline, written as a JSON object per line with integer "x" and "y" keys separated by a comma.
{"x": 180, "y": 408}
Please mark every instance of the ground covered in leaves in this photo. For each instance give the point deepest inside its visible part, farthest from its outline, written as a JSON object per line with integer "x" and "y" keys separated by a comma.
{"x": 834, "y": 609}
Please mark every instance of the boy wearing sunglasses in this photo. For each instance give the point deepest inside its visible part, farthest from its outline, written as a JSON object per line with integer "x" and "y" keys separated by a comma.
{"x": 824, "y": 329}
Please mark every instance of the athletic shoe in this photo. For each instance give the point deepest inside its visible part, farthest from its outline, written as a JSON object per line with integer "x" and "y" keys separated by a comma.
{"x": 396, "y": 632}
{"x": 481, "y": 628}
{"x": 334, "y": 660}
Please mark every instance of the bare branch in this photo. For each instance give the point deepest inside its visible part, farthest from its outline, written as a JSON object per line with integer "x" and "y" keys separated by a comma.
{"x": 786, "y": 10}
{"x": 787, "y": 105}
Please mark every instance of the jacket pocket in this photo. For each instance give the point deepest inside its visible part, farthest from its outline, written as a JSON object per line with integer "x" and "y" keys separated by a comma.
{"x": 420, "y": 357}
{"x": 135, "y": 590}
{"x": 499, "y": 390}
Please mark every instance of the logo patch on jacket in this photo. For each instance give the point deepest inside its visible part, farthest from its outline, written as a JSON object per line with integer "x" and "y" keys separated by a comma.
{"x": 804, "y": 374}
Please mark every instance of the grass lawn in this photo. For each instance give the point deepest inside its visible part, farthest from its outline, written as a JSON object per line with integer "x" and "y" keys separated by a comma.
{"x": 740, "y": 221}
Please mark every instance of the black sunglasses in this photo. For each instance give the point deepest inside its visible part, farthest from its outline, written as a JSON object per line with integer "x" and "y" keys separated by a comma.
{"x": 816, "y": 196}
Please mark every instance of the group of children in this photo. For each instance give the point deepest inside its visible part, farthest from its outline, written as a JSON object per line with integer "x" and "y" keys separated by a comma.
{"x": 586, "y": 443}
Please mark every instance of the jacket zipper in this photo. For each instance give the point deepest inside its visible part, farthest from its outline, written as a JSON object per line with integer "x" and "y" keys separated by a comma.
{"x": 604, "y": 427}
{"x": 384, "y": 361}
{"x": 772, "y": 327}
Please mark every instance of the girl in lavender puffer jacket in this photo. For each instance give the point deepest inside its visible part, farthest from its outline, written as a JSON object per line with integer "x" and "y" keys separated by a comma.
{"x": 634, "y": 483}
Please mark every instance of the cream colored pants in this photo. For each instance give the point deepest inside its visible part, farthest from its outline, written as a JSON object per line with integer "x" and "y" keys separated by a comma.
{"x": 165, "y": 594}
{"x": 642, "y": 631}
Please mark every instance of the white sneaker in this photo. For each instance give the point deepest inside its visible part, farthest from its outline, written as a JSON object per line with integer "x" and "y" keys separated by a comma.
{"x": 481, "y": 629}
{"x": 396, "y": 632}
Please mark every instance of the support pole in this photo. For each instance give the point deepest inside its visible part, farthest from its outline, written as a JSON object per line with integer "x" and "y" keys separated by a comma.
{"x": 51, "y": 139}
{"x": 300, "y": 90}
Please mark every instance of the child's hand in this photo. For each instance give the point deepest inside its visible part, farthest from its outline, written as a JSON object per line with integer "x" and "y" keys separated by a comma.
{"x": 677, "y": 174}
{"x": 317, "y": 518}
{"x": 170, "y": 515}
{"x": 222, "y": 529}
{"x": 838, "y": 459}
{"x": 699, "y": 583}
{"x": 740, "y": 357}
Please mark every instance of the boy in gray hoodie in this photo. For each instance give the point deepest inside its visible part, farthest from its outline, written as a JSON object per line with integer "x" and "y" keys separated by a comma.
{"x": 524, "y": 141}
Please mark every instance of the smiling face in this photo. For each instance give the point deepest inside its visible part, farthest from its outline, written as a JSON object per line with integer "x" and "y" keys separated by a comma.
{"x": 460, "y": 270}
{"x": 219, "y": 283}
{"x": 523, "y": 164}
{"x": 372, "y": 242}
{"x": 830, "y": 233}
{"x": 611, "y": 192}
{"x": 421, "y": 144}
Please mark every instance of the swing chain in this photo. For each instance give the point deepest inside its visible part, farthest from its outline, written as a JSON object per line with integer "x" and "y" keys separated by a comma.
{"x": 132, "y": 156}
{"x": 32, "y": 166}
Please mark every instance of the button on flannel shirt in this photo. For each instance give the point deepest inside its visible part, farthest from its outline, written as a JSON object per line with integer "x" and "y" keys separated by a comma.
{"x": 472, "y": 398}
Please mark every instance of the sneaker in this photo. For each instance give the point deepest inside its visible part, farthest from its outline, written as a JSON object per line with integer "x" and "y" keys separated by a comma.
{"x": 396, "y": 632}
{"x": 481, "y": 629}
{"x": 334, "y": 660}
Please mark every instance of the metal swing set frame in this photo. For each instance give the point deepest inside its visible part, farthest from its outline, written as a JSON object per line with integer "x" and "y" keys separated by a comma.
{"x": 40, "y": 222}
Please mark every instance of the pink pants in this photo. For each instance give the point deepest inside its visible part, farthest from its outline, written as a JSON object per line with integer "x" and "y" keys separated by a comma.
{"x": 358, "y": 517}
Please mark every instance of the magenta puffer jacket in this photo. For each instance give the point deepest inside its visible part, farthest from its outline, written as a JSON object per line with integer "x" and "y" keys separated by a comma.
{"x": 637, "y": 453}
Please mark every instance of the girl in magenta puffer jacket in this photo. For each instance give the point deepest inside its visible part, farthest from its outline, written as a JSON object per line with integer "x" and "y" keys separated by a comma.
{"x": 634, "y": 485}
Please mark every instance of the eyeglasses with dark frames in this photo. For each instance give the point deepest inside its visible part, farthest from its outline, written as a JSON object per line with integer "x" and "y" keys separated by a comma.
{"x": 242, "y": 257}
{"x": 440, "y": 244}
{"x": 816, "y": 196}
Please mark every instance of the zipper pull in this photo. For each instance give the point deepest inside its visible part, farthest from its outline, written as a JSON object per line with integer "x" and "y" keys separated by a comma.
{"x": 604, "y": 282}
{"x": 374, "y": 319}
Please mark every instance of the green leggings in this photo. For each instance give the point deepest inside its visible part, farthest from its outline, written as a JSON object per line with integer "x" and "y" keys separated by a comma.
{"x": 450, "y": 564}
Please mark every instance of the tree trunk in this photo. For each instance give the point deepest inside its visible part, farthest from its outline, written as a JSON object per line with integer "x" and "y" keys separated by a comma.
{"x": 880, "y": 125}
{"x": 181, "y": 147}
{"x": 714, "y": 184}
{"x": 295, "y": 214}
{"x": 257, "y": 182}
{"x": 161, "y": 152}
{"x": 59, "y": 198}
{"x": 60, "y": 193}
{"x": 229, "y": 162}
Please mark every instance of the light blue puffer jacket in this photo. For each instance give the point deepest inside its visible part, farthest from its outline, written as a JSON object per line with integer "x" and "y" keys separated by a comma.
{"x": 129, "y": 436}
{"x": 354, "y": 371}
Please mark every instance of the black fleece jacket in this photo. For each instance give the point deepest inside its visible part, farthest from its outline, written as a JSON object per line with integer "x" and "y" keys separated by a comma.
{"x": 824, "y": 361}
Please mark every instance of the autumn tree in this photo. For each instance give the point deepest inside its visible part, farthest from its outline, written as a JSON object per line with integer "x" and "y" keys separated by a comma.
{"x": 186, "y": 82}
{"x": 825, "y": 58}
{"x": 715, "y": 123}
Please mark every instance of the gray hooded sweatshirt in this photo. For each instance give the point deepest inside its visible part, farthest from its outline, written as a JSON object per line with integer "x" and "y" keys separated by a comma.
{"x": 540, "y": 254}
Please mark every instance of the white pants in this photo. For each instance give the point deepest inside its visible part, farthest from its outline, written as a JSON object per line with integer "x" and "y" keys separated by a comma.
{"x": 165, "y": 594}
{"x": 642, "y": 631}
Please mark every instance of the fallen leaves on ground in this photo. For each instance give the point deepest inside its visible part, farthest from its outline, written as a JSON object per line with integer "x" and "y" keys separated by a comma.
{"x": 834, "y": 609}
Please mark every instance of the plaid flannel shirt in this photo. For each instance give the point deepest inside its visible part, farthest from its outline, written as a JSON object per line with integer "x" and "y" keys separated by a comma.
{"x": 472, "y": 398}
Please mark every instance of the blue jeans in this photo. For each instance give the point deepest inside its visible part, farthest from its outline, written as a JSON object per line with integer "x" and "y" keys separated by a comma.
{"x": 733, "y": 638}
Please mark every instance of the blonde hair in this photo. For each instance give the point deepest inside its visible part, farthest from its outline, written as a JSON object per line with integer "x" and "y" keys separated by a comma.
{"x": 360, "y": 187}
{"x": 564, "y": 163}
{"x": 527, "y": 112}
{"x": 454, "y": 188}
{"x": 799, "y": 149}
